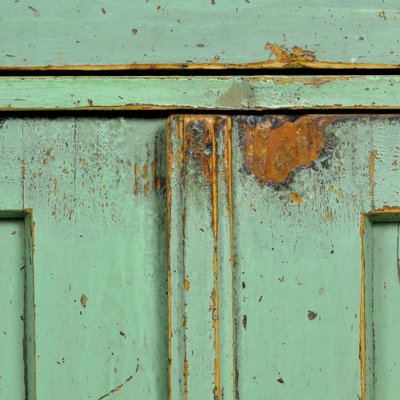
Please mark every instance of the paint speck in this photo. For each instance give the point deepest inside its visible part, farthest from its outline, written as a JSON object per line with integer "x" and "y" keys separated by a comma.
{"x": 296, "y": 197}
{"x": 186, "y": 284}
{"x": 122, "y": 334}
{"x": 36, "y": 12}
{"x": 382, "y": 14}
{"x": 103, "y": 11}
{"x": 244, "y": 321}
{"x": 280, "y": 380}
{"x": 135, "y": 31}
{"x": 90, "y": 102}
{"x": 312, "y": 315}
{"x": 83, "y": 301}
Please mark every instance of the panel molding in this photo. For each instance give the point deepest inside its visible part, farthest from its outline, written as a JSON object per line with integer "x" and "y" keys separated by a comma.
{"x": 225, "y": 93}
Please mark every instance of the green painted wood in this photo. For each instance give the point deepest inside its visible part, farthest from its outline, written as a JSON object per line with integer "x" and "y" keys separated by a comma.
{"x": 200, "y": 276}
{"x": 211, "y": 93}
{"x": 96, "y": 188}
{"x": 385, "y": 306}
{"x": 12, "y": 264}
{"x": 72, "y": 33}
{"x": 295, "y": 224}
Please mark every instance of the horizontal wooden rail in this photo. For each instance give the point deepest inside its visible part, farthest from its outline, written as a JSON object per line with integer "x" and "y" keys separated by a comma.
{"x": 200, "y": 93}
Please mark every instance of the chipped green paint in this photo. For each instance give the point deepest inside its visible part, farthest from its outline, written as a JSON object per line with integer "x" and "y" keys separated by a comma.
{"x": 96, "y": 188}
{"x": 201, "y": 93}
{"x": 12, "y": 261}
{"x": 297, "y": 295}
{"x": 182, "y": 33}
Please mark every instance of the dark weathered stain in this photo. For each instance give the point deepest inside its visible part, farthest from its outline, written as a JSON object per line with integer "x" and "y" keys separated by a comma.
{"x": 116, "y": 389}
{"x": 275, "y": 147}
{"x": 244, "y": 321}
{"x": 199, "y": 133}
{"x": 312, "y": 315}
{"x": 35, "y": 11}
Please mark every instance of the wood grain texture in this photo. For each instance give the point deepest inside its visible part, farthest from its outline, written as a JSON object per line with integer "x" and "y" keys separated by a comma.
{"x": 12, "y": 264}
{"x": 300, "y": 287}
{"x": 183, "y": 34}
{"x": 97, "y": 190}
{"x": 199, "y": 93}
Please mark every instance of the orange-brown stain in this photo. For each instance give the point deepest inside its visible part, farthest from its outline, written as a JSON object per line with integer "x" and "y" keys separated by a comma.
{"x": 185, "y": 358}
{"x": 186, "y": 284}
{"x": 382, "y": 14}
{"x": 274, "y": 148}
{"x": 244, "y": 321}
{"x": 83, "y": 301}
{"x": 340, "y": 193}
{"x": 55, "y": 186}
{"x": 136, "y": 171}
{"x": 372, "y": 158}
{"x": 295, "y": 55}
{"x": 331, "y": 188}
{"x": 200, "y": 139}
{"x": 328, "y": 215}
{"x": 296, "y": 198}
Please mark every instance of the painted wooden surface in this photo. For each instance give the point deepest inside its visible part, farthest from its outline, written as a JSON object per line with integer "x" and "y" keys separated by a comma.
{"x": 12, "y": 264}
{"x": 180, "y": 34}
{"x": 385, "y": 264}
{"x": 200, "y": 93}
{"x": 95, "y": 190}
{"x": 270, "y": 209}
{"x": 262, "y": 228}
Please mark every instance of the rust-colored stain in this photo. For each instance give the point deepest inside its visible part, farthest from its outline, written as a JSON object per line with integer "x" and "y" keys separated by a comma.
{"x": 136, "y": 171}
{"x": 116, "y": 389}
{"x": 186, "y": 285}
{"x": 328, "y": 215}
{"x": 244, "y": 321}
{"x": 293, "y": 56}
{"x": 372, "y": 158}
{"x": 55, "y": 186}
{"x": 200, "y": 141}
{"x": 296, "y": 198}
{"x": 83, "y": 301}
{"x": 276, "y": 146}
{"x": 185, "y": 357}
{"x": 382, "y": 14}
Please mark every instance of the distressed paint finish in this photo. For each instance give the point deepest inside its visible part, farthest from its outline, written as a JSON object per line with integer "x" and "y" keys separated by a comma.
{"x": 299, "y": 326}
{"x": 208, "y": 34}
{"x": 200, "y": 277}
{"x": 12, "y": 262}
{"x": 96, "y": 187}
{"x": 385, "y": 264}
{"x": 200, "y": 93}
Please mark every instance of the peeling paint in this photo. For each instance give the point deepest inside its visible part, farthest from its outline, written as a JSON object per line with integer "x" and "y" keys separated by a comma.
{"x": 276, "y": 147}
{"x": 291, "y": 57}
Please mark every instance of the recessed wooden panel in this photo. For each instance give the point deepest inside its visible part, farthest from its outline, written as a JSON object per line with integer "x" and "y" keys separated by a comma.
{"x": 383, "y": 310}
{"x": 279, "y": 199}
{"x": 12, "y": 306}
